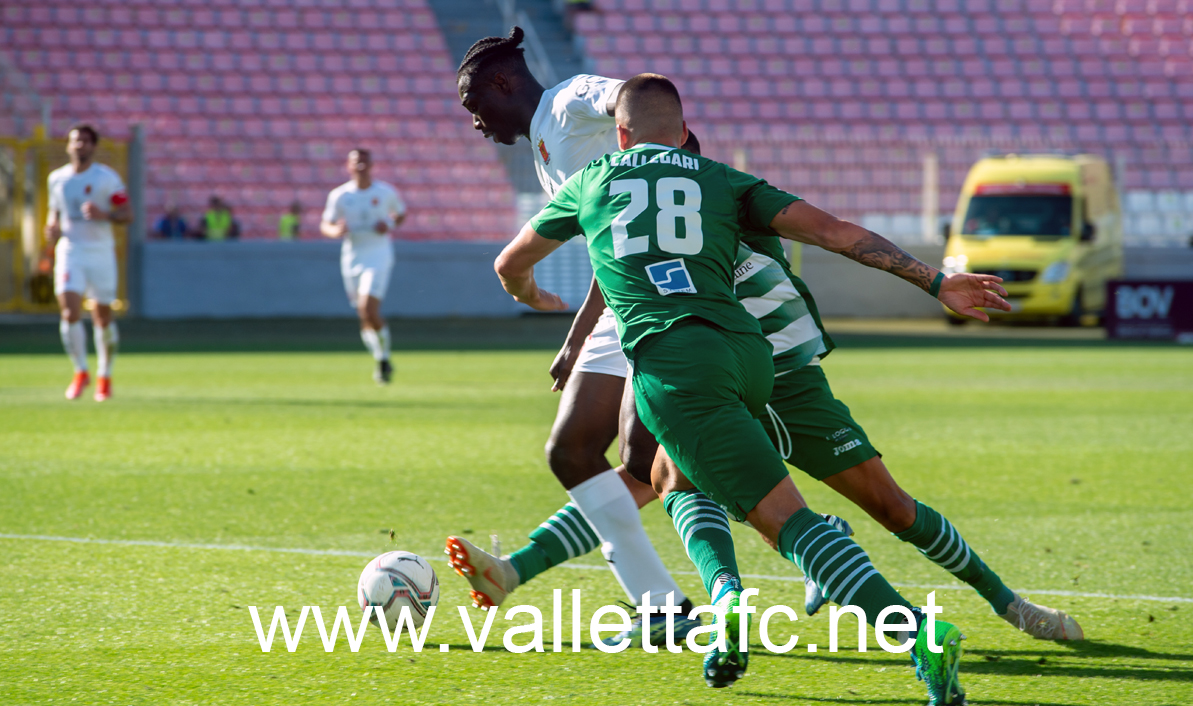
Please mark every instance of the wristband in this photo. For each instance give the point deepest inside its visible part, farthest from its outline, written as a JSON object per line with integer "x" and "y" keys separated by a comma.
{"x": 934, "y": 290}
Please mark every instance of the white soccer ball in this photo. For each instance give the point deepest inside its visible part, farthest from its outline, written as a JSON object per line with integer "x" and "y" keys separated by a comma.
{"x": 397, "y": 579}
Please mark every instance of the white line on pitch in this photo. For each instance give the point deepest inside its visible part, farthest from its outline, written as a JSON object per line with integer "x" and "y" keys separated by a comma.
{"x": 587, "y": 567}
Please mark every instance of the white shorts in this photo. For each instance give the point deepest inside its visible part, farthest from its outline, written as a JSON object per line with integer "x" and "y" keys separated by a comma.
{"x": 366, "y": 274}
{"x": 89, "y": 270}
{"x": 602, "y": 350}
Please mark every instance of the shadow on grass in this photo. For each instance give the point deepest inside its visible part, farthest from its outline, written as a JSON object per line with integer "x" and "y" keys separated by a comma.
{"x": 1037, "y": 662}
{"x": 468, "y": 648}
{"x": 1089, "y": 648}
{"x": 855, "y": 700}
{"x": 841, "y": 700}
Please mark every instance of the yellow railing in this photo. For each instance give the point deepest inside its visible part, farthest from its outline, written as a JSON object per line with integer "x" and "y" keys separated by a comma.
{"x": 26, "y": 267}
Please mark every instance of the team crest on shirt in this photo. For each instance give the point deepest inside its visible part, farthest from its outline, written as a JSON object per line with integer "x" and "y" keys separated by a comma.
{"x": 543, "y": 151}
{"x": 87, "y": 189}
{"x": 375, "y": 202}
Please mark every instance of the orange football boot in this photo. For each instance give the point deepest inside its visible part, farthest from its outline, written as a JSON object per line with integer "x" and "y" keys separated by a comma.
{"x": 103, "y": 389}
{"x": 80, "y": 383}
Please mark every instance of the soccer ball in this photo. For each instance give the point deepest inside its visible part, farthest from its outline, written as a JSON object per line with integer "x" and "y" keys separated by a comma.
{"x": 397, "y": 579}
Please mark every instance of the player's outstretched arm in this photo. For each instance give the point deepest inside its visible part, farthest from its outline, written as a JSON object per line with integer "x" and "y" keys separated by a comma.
{"x": 515, "y": 268}
{"x": 963, "y": 293}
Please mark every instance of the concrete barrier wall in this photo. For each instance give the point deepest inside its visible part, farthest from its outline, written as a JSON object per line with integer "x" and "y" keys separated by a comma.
{"x": 262, "y": 279}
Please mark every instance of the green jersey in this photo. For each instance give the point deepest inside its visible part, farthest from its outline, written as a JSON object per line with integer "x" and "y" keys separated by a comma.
{"x": 663, "y": 227}
{"x": 780, "y": 301}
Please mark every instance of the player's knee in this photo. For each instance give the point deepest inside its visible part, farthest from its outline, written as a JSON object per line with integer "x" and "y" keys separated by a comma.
{"x": 639, "y": 459}
{"x": 894, "y": 510}
{"x": 571, "y": 460}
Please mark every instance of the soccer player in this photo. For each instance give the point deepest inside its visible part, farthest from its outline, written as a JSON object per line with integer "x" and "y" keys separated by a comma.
{"x": 568, "y": 126}
{"x": 363, "y": 212}
{"x": 86, "y": 198}
{"x": 663, "y": 230}
{"x": 816, "y": 433}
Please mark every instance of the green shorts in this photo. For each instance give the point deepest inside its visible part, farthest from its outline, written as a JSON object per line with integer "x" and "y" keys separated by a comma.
{"x": 812, "y": 429}
{"x": 699, "y": 389}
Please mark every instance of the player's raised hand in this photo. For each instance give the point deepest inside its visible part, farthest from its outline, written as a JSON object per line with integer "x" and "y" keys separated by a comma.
{"x": 965, "y": 292}
{"x": 92, "y": 212}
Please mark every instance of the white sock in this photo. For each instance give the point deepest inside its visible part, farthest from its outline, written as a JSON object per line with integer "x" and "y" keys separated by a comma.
{"x": 74, "y": 340}
{"x": 372, "y": 342}
{"x": 105, "y": 348}
{"x": 608, "y": 506}
{"x": 384, "y": 336}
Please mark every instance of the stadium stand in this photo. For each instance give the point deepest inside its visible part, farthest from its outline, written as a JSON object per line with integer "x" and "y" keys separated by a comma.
{"x": 259, "y": 101}
{"x": 839, "y": 100}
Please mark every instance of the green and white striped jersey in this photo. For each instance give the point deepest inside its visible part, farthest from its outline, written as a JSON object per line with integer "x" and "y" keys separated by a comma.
{"x": 766, "y": 287}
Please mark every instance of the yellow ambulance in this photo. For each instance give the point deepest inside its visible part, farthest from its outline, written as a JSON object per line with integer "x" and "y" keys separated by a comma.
{"x": 1049, "y": 225}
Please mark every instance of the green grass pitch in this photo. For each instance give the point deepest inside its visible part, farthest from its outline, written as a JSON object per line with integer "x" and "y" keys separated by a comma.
{"x": 1066, "y": 467}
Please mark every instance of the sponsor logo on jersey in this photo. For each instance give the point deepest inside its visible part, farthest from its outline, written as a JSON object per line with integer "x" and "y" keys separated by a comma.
{"x": 671, "y": 277}
{"x": 838, "y": 434}
{"x": 543, "y": 151}
{"x": 376, "y": 201}
{"x": 87, "y": 189}
{"x": 851, "y": 445}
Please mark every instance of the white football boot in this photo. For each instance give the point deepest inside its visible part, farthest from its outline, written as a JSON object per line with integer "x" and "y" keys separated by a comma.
{"x": 492, "y": 576}
{"x": 1042, "y": 622}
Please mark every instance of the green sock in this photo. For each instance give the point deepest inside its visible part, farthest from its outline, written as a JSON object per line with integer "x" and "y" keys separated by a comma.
{"x": 565, "y": 535}
{"x": 704, "y": 528}
{"x": 841, "y": 568}
{"x": 937, "y": 539}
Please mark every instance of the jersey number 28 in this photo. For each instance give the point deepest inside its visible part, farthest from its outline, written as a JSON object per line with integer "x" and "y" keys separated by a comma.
{"x": 669, "y": 212}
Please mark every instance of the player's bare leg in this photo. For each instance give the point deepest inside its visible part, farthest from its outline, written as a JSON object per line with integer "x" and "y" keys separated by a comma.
{"x": 107, "y": 338}
{"x": 74, "y": 340}
{"x": 603, "y": 511}
{"x": 869, "y": 485}
{"x": 375, "y": 334}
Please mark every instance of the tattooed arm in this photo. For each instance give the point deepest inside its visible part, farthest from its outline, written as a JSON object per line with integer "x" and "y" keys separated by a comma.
{"x": 805, "y": 223}
{"x": 963, "y": 293}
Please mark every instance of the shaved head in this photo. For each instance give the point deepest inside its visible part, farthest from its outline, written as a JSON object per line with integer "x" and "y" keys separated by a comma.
{"x": 649, "y": 110}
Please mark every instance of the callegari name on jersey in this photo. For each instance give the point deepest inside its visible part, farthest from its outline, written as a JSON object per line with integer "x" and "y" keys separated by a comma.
{"x": 572, "y": 127}
{"x": 663, "y": 228}
{"x": 70, "y": 190}
{"x": 362, "y": 209}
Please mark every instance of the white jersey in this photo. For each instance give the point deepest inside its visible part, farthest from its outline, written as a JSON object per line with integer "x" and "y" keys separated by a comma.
{"x": 70, "y": 190}
{"x": 362, "y": 209}
{"x": 572, "y": 127}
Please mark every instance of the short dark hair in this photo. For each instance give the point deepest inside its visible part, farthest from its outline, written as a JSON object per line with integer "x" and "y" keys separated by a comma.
{"x": 492, "y": 53}
{"x": 692, "y": 145}
{"x": 85, "y": 128}
{"x": 361, "y": 152}
{"x": 649, "y": 102}
{"x": 643, "y": 85}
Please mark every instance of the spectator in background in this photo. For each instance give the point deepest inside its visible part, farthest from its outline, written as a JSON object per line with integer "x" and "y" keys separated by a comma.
{"x": 218, "y": 223}
{"x": 171, "y": 226}
{"x": 290, "y": 222}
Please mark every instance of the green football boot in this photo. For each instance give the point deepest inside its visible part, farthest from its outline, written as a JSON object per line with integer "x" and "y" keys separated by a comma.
{"x": 721, "y": 669}
{"x": 939, "y": 671}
